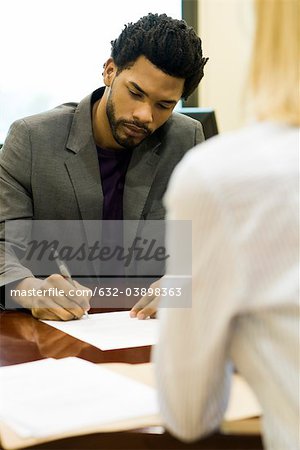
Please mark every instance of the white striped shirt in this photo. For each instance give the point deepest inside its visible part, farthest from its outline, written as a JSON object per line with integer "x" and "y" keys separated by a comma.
{"x": 241, "y": 192}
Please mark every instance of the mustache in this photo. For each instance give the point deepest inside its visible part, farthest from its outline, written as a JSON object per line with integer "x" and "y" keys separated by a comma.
{"x": 137, "y": 124}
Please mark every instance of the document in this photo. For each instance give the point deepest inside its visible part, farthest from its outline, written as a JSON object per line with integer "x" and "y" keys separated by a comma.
{"x": 51, "y": 397}
{"x": 242, "y": 401}
{"x": 109, "y": 331}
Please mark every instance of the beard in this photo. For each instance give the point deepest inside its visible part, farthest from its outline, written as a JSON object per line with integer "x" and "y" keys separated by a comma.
{"x": 118, "y": 127}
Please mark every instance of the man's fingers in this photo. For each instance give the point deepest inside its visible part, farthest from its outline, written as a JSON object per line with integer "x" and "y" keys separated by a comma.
{"x": 48, "y": 309}
{"x": 147, "y": 305}
{"x": 141, "y": 304}
{"x": 148, "y": 309}
{"x": 66, "y": 301}
{"x": 44, "y": 314}
{"x": 87, "y": 295}
{"x": 73, "y": 296}
{"x": 53, "y": 314}
{"x": 54, "y": 298}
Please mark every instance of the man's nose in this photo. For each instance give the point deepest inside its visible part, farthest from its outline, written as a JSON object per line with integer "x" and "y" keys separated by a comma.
{"x": 143, "y": 113}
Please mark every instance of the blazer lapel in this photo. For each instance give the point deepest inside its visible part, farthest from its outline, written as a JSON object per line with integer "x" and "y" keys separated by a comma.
{"x": 83, "y": 165}
{"x": 83, "y": 169}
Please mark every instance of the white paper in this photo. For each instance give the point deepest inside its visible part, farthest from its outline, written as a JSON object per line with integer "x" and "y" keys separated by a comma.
{"x": 109, "y": 331}
{"x": 47, "y": 397}
{"x": 242, "y": 401}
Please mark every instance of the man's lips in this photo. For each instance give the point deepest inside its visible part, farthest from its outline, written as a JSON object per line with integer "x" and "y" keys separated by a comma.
{"x": 134, "y": 130}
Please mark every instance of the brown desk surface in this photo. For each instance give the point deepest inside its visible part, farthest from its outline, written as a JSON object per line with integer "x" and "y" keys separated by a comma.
{"x": 23, "y": 338}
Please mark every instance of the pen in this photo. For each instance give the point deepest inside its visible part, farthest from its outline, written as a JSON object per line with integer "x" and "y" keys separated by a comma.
{"x": 64, "y": 271}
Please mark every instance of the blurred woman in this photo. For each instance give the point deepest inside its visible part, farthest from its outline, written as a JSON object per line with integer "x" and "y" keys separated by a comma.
{"x": 241, "y": 192}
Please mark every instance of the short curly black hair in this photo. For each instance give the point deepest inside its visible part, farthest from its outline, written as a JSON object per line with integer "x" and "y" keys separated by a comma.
{"x": 170, "y": 44}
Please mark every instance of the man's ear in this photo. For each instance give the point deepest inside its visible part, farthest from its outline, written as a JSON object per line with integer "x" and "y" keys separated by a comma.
{"x": 110, "y": 71}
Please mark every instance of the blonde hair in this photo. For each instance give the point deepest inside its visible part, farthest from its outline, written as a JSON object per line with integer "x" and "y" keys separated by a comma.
{"x": 274, "y": 71}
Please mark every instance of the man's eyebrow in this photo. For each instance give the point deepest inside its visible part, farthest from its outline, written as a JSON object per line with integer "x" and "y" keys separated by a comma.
{"x": 138, "y": 88}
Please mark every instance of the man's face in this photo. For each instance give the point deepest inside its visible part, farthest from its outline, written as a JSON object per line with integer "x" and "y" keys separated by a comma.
{"x": 140, "y": 100}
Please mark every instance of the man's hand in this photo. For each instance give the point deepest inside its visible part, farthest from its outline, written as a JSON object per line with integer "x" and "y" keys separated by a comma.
{"x": 147, "y": 306}
{"x": 53, "y": 298}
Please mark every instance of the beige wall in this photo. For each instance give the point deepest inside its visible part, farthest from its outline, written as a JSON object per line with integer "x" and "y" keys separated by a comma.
{"x": 226, "y": 30}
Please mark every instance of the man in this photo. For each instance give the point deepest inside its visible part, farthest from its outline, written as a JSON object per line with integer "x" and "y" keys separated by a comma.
{"x": 110, "y": 156}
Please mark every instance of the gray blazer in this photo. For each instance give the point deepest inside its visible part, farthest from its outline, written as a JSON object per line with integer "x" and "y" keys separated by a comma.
{"x": 49, "y": 169}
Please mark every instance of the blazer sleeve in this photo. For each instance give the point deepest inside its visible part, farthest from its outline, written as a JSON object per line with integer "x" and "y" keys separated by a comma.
{"x": 199, "y": 135}
{"x": 15, "y": 200}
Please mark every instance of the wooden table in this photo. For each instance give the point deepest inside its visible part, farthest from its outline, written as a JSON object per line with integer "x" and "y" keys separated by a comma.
{"x": 23, "y": 339}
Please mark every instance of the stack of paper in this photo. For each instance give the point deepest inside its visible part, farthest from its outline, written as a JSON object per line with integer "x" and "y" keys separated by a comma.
{"x": 51, "y": 397}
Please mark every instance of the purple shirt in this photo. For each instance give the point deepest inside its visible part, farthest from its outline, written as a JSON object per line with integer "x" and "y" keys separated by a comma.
{"x": 113, "y": 167}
